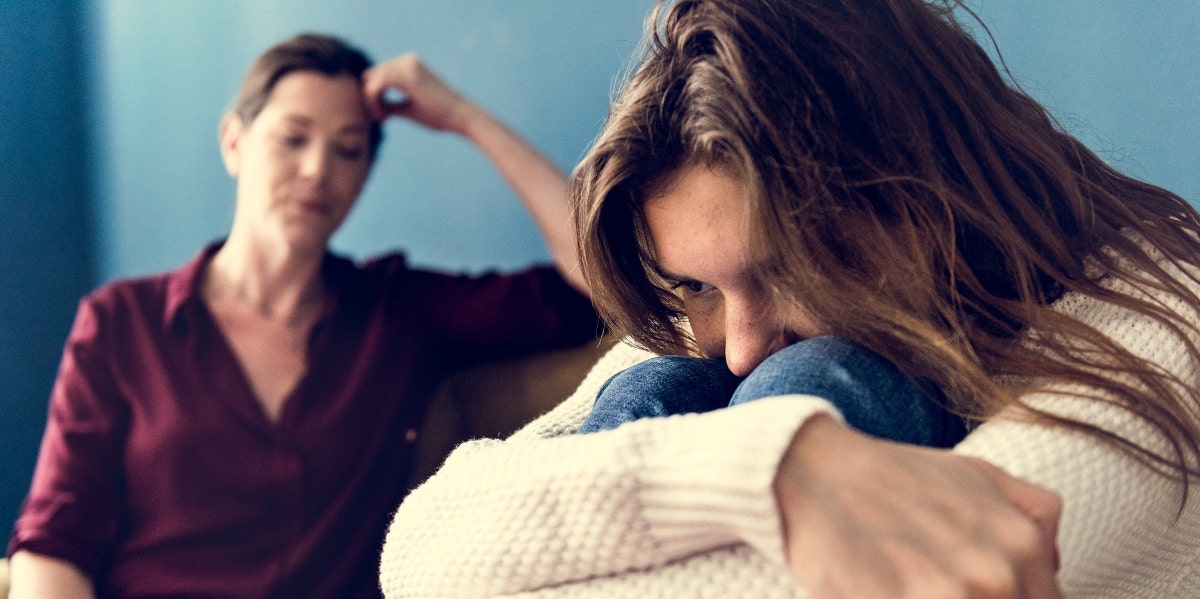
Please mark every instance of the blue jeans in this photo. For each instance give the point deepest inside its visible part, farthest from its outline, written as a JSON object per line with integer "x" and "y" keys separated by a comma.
{"x": 871, "y": 393}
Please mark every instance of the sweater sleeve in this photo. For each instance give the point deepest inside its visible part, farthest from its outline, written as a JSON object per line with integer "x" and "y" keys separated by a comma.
{"x": 536, "y": 511}
{"x": 682, "y": 506}
{"x": 1122, "y": 533}
{"x": 1125, "y": 529}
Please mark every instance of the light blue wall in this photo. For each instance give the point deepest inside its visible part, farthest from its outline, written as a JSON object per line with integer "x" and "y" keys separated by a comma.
{"x": 169, "y": 69}
{"x": 1123, "y": 74}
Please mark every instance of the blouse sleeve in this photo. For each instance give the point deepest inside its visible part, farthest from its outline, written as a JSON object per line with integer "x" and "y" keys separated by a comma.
{"x": 71, "y": 511}
{"x": 495, "y": 315}
{"x": 535, "y": 511}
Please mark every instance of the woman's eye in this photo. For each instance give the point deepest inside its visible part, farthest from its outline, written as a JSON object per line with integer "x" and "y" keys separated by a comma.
{"x": 350, "y": 153}
{"x": 693, "y": 287}
{"x": 293, "y": 141}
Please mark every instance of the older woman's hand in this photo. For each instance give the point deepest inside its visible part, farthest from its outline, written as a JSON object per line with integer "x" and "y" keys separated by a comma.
{"x": 423, "y": 96}
{"x": 866, "y": 518}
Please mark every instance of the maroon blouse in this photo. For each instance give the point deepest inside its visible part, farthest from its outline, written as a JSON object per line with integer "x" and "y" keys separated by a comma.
{"x": 160, "y": 475}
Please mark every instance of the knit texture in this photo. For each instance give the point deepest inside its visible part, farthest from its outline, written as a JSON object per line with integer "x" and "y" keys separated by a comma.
{"x": 682, "y": 506}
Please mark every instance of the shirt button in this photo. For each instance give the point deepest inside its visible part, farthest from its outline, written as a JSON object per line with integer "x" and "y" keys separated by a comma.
{"x": 410, "y": 435}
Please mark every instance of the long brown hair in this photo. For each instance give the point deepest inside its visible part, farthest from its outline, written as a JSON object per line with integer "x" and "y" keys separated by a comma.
{"x": 909, "y": 196}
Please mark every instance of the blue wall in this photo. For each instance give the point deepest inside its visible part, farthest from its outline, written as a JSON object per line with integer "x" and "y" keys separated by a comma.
{"x": 1122, "y": 75}
{"x": 169, "y": 69}
{"x": 45, "y": 238}
{"x": 147, "y": 80}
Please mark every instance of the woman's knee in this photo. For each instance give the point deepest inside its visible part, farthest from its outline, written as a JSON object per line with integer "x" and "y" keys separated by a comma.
{"x": 661, "y": 386}
{"x": 666, "y": 374}
{"x": 815, "y": 366}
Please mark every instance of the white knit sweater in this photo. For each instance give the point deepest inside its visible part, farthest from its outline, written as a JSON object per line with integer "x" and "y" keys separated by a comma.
{"x": 682, "y": 506}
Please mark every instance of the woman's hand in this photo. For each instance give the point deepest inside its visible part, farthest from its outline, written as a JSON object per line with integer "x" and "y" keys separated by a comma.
{"x": 424, "y": 97}
{"x": 538, "y": 182}
{"x": 36, "y": 576}
{"x": 865, "y": 518}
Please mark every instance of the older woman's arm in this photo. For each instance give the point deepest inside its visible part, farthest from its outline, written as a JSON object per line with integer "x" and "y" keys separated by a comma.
{"x": 539, "y": 183}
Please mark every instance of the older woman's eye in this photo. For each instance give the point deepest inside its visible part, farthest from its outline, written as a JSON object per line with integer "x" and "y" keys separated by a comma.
{"x": 293, "y": 141}
{"x": 350, "y": 153}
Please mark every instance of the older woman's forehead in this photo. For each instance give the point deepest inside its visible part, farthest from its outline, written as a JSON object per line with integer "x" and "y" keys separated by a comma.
{"x": 311, "y": 98}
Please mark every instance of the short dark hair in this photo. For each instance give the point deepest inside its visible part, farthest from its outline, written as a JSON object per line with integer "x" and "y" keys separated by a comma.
{"x": 305, "y": 52}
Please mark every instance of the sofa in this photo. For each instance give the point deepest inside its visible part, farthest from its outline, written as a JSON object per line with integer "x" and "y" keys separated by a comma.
{"x": 492, "y": 399}
{"x": 495, "y": 399}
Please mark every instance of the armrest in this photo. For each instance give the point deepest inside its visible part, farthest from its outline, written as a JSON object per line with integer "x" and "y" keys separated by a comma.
{"x": 497, "y": 398}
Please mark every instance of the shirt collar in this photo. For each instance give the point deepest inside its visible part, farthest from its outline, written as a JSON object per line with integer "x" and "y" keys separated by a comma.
{"x": 183, "y": 285}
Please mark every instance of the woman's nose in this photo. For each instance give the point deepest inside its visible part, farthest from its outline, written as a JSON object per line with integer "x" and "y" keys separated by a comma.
{"x": 314, "y": 164}
{"x": 751, "y": 335}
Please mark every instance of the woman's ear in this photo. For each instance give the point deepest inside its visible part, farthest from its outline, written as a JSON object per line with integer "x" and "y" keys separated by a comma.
{"x": 230, "y": 134}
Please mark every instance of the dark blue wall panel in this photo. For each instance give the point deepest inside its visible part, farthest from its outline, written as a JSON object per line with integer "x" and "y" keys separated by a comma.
{"x": 45, "y": 248}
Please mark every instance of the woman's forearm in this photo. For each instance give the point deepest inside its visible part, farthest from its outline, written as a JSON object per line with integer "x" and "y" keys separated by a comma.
{"x": 1122, "y": 533}
{"x": 540, "y": 184}
{"x": 515, "y": 516}
{"x": 865, "y": 517}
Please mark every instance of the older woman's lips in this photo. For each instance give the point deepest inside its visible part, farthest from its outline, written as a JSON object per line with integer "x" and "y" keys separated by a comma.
{"x": 315, "y": 207}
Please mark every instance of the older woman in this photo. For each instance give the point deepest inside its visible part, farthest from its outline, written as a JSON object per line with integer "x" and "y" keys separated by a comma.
{"x": 776, "y": 170}
{"x": 242, "y": 426}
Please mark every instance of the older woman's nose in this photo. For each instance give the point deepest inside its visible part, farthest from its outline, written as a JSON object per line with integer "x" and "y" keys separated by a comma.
{"x": 314, "y": 164}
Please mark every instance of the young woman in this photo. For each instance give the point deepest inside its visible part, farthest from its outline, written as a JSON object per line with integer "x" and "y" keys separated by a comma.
{"x": 775, "y": 170}
{"x": 243, "y": 426}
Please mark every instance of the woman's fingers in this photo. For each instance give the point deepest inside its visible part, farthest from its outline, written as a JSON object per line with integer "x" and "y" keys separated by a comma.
{"x": 1043, "y": 510}
{"x": 405, "y": 87}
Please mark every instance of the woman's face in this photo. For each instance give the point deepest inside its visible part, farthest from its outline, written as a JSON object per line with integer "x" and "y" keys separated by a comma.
{"x": 698, "y": 226}
{"x": 302, "y": 162}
